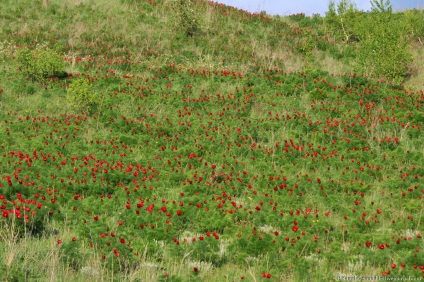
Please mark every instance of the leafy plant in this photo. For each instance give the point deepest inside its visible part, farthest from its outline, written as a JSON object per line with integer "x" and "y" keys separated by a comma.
{"x": 80, "y": 94}
{"x": 383, "y": 44}
{"x": 188, "y": 19}
{"x": 381, "y": 6}
{"x": 341, "y": 19}
{"x": 40, "y": 63}
{"x": 413, "y": 19}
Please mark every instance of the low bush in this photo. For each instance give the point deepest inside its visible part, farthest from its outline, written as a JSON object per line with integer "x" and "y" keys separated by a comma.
{"x": 80, "y": 95}
{"x": 39, "y": 63}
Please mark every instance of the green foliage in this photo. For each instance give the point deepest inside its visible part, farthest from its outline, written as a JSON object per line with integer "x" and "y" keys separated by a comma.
{"x": 380, "y": 38}
{"x": 305, "y": 44}
{"x": 340, "y": 20}
{"x": 383, "y": 49}
{"x": 381, "y": 6}
{"x": 414, "y": 24}
{"x": 297, "y": 17}
{"x": 80, "y": 95}
{"x": 188, "y": 18}
{"x": 39, "y": 63}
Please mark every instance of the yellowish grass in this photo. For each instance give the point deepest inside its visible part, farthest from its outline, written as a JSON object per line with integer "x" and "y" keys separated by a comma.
{"x": 416, "y": 81}
{"x": 331, "y": 65}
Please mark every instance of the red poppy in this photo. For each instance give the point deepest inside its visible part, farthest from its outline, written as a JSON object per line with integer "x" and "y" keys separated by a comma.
{"x": 150, "y": 208}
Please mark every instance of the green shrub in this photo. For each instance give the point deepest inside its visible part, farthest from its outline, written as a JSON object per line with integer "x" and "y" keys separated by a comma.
{"x": 379, "y": 38}
{"x": 188, "y": 19}
{"x": 383, "y": 49}
{"x": 39, "y": 63}
{"x": 414, "y": 24}
{"x": 381, "y": 6}
{"x": 80, "y": 95}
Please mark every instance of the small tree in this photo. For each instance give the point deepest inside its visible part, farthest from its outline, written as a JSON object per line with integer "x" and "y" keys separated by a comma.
{"x": 381, "y": 6}
{"x": 341, "y": 19}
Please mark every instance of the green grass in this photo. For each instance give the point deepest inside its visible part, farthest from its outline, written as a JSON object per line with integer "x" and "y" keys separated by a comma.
{"x": 202, "y": 154}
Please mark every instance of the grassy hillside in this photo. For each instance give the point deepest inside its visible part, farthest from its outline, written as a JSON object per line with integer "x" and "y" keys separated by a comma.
{"x": 137, "y": 145}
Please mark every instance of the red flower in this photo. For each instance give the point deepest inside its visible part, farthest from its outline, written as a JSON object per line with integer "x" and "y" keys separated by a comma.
{"x": 150, "y": 208}
{"x": 195, "y": 269}
{"x": 266, "y": 275}
{"x": 295, "y": 228}
{"x": 192, "y": 156}
{"x": 179, "y": 212}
